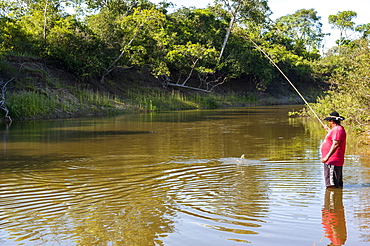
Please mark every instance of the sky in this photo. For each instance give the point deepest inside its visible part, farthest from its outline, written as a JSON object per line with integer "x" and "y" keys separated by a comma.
{"x": 324, "y": 8}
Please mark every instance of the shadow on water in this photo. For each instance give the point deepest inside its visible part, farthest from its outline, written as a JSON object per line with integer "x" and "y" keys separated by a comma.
{"x": 208, "y": 115}
{"x": 58, "y": 135}
{"x": 21, "y": 162}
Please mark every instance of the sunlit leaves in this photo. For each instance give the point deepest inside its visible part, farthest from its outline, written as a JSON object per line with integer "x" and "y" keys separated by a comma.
{"x": 299, "y": 32}
{"x": 343, "y": 21}
{"x": 135, "y": 35}
{"x": 364, "y": 29}
{"x": 246, "y": 10}
{"x": 192, "y": 57}
{"x": 350, "y": 81}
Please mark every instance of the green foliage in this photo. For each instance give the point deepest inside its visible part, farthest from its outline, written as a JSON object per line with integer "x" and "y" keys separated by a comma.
{"x": 68, "y": 38}
{"x": 299, "y": 32}
{"x": 116, "y": 33}
{"x": 192, "y": 57}
{"x": 364, "y": 29}
{"x": 13, "y": 38}
{"x": 118, "y": 7}
{"x": 135, "y": 39}
{"x": 30, "y": 104}
{"x": 153, "y": 100}
{"x": 343, "y": 22}
{"x": 186, "y": 45}
{"x": 209, "y": 102}
{"x": 140, "y": 32}
{"x": 246, "y": 11}
{"x": 34, "y": 104}
{"x": 97, "y": 99}
{"x": 349, "y": 77}
{"x": 197, "y": 26}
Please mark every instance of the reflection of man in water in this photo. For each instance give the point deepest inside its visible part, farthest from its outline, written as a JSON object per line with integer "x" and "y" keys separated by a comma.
{"x": 333, "y": 219}
{"x": 333, "y": 150}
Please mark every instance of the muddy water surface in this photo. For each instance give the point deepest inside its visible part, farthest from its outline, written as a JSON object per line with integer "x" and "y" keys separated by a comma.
{"x": 176, "y": 179}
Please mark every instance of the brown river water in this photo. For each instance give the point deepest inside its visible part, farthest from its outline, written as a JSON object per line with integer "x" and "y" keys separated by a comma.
{"x": 176, "y": 178}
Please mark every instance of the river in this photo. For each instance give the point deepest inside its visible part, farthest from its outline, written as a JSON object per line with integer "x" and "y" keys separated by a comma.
{"x": 176, "y": 178}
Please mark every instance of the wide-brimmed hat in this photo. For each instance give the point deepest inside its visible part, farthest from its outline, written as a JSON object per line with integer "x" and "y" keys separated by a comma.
{"x": 334, "y": 116}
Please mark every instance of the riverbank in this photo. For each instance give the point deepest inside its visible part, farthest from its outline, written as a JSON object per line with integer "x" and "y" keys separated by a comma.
{"x": 43, "y": 90}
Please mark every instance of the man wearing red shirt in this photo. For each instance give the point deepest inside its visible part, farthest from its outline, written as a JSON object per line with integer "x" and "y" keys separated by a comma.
{"x": 333, "y": 150}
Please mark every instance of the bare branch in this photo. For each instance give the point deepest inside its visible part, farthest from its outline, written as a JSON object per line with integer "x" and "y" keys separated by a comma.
{"x": 208, "y": 86}
{"x": 2, "y": 101}
{"x": 187, "y": 87}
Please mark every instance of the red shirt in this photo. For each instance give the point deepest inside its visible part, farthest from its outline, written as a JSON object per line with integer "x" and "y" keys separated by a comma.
{"x": 339, "y": 134}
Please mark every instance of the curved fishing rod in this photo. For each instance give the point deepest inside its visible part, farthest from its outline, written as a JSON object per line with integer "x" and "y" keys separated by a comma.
{"x": 289, "y": 83}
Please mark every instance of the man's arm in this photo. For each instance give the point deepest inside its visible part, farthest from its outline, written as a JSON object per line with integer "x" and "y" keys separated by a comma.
{"x": 332, "y": 150}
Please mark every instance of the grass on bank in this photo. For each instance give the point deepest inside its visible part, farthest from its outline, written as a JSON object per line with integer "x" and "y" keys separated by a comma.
{"x": 63, "y": 103}
{"x": 155, "y": 100}
{"x": 37, "y": 105}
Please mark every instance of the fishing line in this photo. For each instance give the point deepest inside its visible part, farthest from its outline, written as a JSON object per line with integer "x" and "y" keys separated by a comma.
{"x": 289, "y": 83}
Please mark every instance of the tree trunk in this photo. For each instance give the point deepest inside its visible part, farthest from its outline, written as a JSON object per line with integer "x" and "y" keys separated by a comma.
{"x": 226, "y": 38}
{"x": 45, "y": 19}
{"x": 3, "y": 102}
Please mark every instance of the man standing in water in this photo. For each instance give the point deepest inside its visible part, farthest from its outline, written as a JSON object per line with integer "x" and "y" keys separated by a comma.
{"x": 333, "y": 150}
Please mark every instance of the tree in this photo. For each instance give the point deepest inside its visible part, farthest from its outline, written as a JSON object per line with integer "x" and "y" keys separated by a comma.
{"x": 364, "y": 29}
{"x": 303, "y": 28}
{"x": 242, "y": 10}
{"x": 142, "y": 22}
{"x": 192, "y": 58}
{"x": 118, "y": 7}
{"x": 40, "y": 16}
{"x": 196, "y": 25}
{"x": 2, "y": 101}
{"x": 350, "y": 82}
{"x": 343, "y": 22}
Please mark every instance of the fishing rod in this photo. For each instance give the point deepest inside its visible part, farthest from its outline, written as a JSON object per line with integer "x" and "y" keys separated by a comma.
{"x": 259, "y": 48}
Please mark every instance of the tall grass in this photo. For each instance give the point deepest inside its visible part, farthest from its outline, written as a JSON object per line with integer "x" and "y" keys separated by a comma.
{"x": 100, "y": 99}
{"x": 155, "y": 100}
{"x": 31, "y": 104}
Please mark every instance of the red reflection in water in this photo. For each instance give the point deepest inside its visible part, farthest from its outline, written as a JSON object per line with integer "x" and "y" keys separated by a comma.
{"x": 333, "y": 219}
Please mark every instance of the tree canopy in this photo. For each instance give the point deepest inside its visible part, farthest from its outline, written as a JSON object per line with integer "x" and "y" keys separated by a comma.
{"x": 196, "y": 48}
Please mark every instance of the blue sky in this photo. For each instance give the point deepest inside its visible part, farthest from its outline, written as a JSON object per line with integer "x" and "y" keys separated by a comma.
{"x": 323, "y": 7}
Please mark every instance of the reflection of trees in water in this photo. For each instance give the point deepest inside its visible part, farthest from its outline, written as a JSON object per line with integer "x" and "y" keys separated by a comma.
{"x": 362, "y": 212}
{"x": 115, "y": 183}
{"x": 96, "y": 201}
{"x": 136, "y": 224}
{"x": 256, "y": 134}
{"x": 4, "y": 134}
{"x": 357, "y": 144}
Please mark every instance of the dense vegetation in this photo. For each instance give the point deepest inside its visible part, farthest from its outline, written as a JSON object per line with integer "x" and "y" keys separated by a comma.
{"x": 101, "y": 43}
